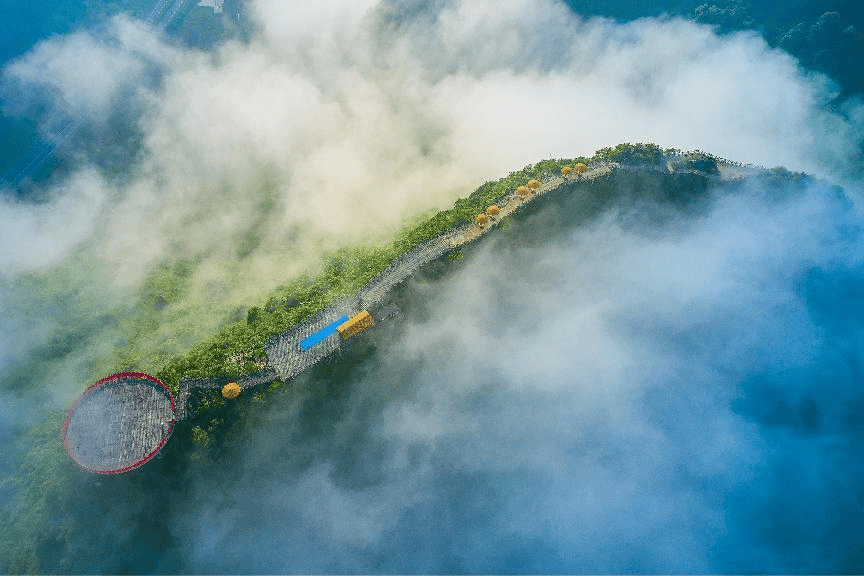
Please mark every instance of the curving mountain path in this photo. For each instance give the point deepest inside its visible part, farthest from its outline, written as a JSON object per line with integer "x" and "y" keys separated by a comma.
{"x": 285, "y": 358}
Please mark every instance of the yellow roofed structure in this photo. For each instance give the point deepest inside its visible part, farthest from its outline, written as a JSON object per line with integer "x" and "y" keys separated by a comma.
{"x": 356, "y": 324}
{"x": 481, "y": 219}
{"x": 493, "y": 211}
{"x": 534, "y": 184}
{"x": 523, "y": 191}
{"x": 566, "y": 170}
{"x": 231, "y": 390}
{"x": 580, "y": 168}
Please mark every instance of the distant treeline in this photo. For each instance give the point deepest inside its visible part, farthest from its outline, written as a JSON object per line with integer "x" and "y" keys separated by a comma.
{"x": 826, "y": 36}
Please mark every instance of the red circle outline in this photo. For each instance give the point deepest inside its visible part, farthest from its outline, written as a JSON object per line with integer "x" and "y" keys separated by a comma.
{"x": 111, "y": 378}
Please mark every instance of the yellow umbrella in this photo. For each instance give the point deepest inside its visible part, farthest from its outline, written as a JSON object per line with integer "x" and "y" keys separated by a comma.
{"x": 231, "y": 390}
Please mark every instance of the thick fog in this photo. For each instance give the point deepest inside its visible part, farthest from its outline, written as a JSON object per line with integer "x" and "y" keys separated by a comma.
{"x": 648, "y": 390}
{"x": 345, "y": 119}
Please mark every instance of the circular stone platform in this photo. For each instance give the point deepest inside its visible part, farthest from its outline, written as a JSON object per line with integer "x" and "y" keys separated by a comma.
{"x": 119, "y": 423}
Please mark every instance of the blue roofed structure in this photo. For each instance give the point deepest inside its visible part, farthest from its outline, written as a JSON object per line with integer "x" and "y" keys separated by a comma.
{"x": 321, "y": 334}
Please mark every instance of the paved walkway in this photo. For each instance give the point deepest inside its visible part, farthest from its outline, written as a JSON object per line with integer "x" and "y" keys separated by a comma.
{"x": 512, "y": 202}
{"x": 286, "y": 360}
{"x": 283, "y": 352}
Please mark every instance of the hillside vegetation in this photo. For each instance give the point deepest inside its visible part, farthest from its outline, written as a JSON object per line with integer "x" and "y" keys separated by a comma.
{"x": 239, "y": 347}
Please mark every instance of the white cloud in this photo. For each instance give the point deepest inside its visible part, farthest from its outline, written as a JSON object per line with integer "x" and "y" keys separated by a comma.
{"x": 84, "y": 76}
{"x": 575, "y": 394}
{"x": 390, "y": 108}
{"x": 35, "y": 236}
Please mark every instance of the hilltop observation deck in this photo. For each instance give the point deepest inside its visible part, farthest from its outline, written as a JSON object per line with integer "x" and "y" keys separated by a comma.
{"x": 119, "y": 423}
{"x": 304, "y": 345}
